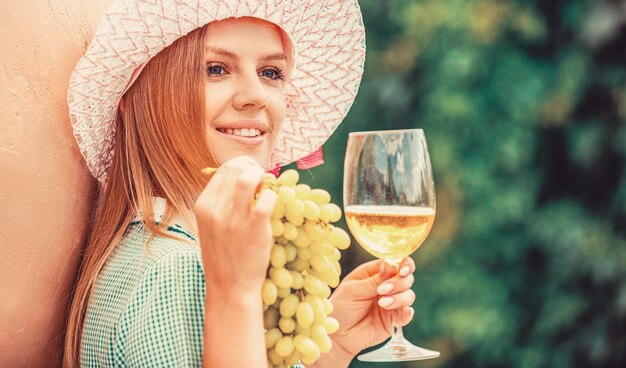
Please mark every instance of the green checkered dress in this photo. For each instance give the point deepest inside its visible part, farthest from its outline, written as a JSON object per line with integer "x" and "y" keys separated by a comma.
{"x": 147, "y": 307}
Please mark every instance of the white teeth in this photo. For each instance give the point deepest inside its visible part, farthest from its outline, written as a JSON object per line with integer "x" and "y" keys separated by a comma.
{"x": 245, "y": 132}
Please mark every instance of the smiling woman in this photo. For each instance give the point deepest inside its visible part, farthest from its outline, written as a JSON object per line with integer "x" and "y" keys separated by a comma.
{"x": 173, "y": 267}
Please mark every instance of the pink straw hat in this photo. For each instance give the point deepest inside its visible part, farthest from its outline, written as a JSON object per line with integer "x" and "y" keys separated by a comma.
{"x": 328, "y": 39}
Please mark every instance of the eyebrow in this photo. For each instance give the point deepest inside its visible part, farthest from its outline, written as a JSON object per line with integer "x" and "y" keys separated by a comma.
{"x": 219, "y": 51}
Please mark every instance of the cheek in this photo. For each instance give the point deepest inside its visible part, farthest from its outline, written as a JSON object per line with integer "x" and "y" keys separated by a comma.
{"x": 278, "y": 110}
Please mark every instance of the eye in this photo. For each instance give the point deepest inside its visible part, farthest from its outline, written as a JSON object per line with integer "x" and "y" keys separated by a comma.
{"x": 215, "y": 70}
{"x": 273, "y": 73}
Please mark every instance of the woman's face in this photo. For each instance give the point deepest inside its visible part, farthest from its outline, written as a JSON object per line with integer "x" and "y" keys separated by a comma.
{"x": 243, "y": 86}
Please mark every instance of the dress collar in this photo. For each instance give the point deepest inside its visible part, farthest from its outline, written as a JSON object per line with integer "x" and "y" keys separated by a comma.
{"x": 178, "y": 222}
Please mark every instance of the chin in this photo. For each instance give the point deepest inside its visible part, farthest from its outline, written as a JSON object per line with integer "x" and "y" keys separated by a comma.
{"x": 262, "y": 158}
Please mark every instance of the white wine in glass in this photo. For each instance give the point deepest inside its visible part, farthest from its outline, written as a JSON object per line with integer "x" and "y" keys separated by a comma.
{"x": 389, "y": 205}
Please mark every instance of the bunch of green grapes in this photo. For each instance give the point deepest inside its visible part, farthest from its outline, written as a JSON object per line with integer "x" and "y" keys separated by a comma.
{"x": 304, "y": 265}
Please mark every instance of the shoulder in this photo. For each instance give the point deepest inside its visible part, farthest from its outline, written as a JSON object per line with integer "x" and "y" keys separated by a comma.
{"x": 140, "y": 242}
{"x": 166, "y": 260}
{"x": 162, "y": 323}
{"x": 161, "y": 273}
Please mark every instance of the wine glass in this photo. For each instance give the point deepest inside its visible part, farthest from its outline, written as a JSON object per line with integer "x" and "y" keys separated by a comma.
{"x": 389, "y": 205}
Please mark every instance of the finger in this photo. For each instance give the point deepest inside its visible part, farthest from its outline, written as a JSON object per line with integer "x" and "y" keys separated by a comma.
{"x": 240, "y": 162}
{"x": 260, "y": 214}
{"x": 365, "y": 270}
{"x": 208, "y": 198}
{"x": 244, "y": 187}
{"x": 406, "y": 315}
{"x": 386, "y": 270}
{"x": 405, "y": 298}
{"x": 364, "y": 280}
{"x": 225, "y": 191}
{"x": 264, "y": 205}
{"x": 407, "y": 266}
{"x": 395, "y": 285}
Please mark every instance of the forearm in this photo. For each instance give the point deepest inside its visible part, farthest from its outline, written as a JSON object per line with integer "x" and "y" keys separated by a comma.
{"x": 335, "y": 358}
{"x": 233, "y": 330}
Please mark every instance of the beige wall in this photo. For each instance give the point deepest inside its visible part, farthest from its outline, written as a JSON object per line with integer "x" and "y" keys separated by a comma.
{"x": 45, "y": 188}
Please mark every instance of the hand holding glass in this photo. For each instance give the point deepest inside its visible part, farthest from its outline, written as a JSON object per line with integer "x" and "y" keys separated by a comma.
{"x": 389, "y": 204}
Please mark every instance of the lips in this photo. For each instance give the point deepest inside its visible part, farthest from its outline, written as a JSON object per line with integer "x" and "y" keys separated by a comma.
{"x": 249, "y": 133}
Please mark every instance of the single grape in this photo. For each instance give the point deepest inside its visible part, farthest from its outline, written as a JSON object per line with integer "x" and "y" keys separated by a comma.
{"x": 294, "y": 358}
{"x": 271, "y": 336}
{"x": 286, "y": 195}
{"x": 288, "y": 178}
{"x": 291, "y": 252}
{"x": 307, "y": 347}
{"x": 282, "y": 293}
{"x": 335, "y": 255}
{"x": 302, "y": 240}
{"x": 295, "y": 206}
{"x": 328, "y": 306}
{"x": 279, "y": 210}
{"x": 270, "y": 318}
{"x": 311, "y": 210}
{"x": 287, "y": 325}
{"x": 320, "y": 196}
{"x": 269, "y": 292}
{"x": 305, "y": 331}
{"x": 322, "y": 248}
{"x": 339, "y": 238}
{"x": 331, "y": 325}
{"x": 290, "y": 232}
{"x": 303, "y": 191}
{"x": 299, "y": 265}
{"x": 289, "y": 305}
{"x": 298, "y": 280}
{"x": 278, "y": 256}
{"x": 305, "y": 315}
{"x": 281, "y": 278}
{"x": 296, "y": 219}
{"x": 304, "y": 254}
{"x": 319, "y": 335}
{"x": 274, "y": 357}
{"x": 315, "y": 286}
{"x": 314, "y": 230}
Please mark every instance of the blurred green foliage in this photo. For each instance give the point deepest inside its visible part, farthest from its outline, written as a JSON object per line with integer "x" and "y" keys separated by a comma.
{"x": 524, "y": 108}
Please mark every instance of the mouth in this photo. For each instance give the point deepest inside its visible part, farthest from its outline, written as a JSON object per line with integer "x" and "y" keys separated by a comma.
{"x": 245, "y": 132}
{"x": 249, "y": 137}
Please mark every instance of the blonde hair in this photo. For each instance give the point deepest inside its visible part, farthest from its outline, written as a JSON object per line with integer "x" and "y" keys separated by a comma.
{"x": 160, "y": 149}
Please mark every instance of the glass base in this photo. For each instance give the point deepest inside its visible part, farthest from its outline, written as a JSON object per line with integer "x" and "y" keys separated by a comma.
{"x": 398, "y": 351}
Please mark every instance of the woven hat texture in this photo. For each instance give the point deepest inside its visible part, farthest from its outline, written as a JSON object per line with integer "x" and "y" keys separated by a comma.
{"x": 329, "y": 41}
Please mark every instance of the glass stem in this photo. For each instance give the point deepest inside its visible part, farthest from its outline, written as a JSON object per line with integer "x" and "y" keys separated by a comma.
{"x": 397, "y": 337}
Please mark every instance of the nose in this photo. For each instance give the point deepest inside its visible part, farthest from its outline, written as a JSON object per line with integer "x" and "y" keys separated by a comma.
{"x": 250, "y": 94}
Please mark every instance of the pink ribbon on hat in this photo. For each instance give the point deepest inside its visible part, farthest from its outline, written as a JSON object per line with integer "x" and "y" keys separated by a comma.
{"x": 314, "y": 159}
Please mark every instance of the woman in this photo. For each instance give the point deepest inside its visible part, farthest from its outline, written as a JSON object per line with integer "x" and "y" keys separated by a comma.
{"x": 174, "y": 266}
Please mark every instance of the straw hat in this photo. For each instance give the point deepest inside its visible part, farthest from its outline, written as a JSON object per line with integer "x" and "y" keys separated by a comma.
{"x": 329, "y": 41}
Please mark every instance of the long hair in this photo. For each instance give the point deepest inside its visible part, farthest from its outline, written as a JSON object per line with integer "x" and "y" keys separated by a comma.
{"x": 160, "y": 149}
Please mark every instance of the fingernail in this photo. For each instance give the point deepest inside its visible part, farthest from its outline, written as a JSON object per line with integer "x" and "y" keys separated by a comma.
{"x": 412, "y": 311}
{"x": 405, "y": 271}
{"x": 385, "y": 301}
{"x": 385, "y": 288}
{"x": 381, "y": 268}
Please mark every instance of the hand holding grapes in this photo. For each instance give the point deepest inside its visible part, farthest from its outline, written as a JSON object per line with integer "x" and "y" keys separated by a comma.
{"x": 234, "y": 234}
